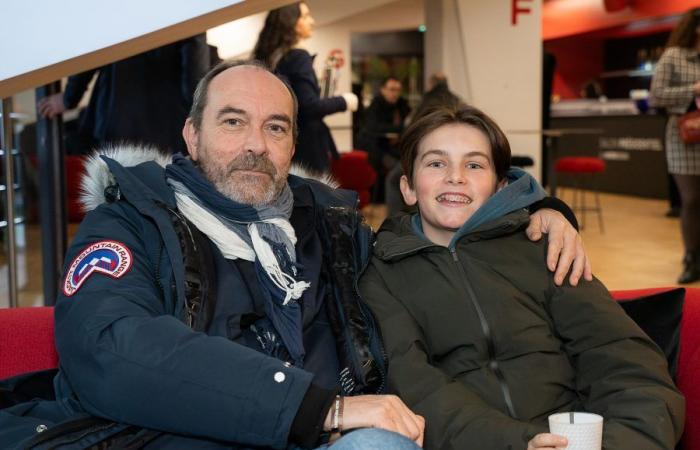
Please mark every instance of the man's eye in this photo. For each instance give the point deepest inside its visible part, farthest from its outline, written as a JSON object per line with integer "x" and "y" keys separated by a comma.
{"x": 232, "y": 122}
{"x": 277, "y": 129}
{"x": 436, "y": 164}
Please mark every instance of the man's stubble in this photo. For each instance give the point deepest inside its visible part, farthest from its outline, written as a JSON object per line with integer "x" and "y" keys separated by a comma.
{"x": 238, "y": 184}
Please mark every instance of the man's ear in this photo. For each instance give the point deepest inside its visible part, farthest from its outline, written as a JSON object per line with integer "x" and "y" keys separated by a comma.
{"x": 409, "y": 195}
{"x": 189, "y": 133}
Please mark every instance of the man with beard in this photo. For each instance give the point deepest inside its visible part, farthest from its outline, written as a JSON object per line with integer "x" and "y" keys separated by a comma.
{"x": 210, "y": 302}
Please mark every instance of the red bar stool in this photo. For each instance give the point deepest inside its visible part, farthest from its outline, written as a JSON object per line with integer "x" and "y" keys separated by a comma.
{"x": 582, "y": 170}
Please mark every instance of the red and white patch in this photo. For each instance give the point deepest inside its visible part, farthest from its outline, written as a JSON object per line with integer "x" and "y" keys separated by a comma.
{"x": 110, "y": 258}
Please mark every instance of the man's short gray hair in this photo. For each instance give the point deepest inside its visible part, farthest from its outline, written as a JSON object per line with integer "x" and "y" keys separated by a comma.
{"x": 199, "y": 100}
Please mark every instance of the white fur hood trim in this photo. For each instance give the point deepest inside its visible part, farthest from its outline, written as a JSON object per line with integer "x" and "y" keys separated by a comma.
{"x": 97, "y": 175}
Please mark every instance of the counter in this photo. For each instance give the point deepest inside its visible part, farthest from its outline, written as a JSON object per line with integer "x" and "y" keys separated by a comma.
{"x": 632, "y": 146}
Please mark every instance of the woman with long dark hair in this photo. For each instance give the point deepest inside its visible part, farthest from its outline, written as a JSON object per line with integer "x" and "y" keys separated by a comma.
{"x": 676, "y": 87}
{"x": 278, "y": 47}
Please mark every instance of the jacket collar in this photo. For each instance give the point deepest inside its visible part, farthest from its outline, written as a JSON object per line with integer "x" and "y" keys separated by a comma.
{"x": 398, "y": 238}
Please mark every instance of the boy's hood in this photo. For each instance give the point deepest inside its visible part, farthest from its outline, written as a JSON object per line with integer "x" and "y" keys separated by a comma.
{"x": 521, "y": 191}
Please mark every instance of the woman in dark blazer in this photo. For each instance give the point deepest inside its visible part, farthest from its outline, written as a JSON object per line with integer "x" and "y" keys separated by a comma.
{"x": 277, "y": 47}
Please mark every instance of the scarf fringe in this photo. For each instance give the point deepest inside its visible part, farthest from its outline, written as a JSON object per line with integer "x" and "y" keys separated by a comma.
{"x": 233, "y": 247}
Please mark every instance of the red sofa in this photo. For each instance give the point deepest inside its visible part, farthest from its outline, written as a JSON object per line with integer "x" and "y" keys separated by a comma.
{"x": 26, "y": 344}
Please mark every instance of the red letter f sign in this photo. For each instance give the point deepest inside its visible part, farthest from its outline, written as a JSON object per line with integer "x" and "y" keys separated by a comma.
{"x": 517, "y": 9}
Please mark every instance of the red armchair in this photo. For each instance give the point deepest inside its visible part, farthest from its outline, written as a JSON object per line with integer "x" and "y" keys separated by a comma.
{"x": 353, "y": 171}
{"x": 26, "y": 344}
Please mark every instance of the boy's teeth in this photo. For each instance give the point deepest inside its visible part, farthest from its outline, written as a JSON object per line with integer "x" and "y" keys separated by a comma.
{"x": 454, "y": 198}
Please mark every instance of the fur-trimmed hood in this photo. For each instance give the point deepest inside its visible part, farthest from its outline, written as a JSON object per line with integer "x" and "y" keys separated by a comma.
{"x": 98, "y": 176}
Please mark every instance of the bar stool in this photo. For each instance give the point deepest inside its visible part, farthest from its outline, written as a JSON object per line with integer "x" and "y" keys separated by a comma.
{"x": 582, "y": 170}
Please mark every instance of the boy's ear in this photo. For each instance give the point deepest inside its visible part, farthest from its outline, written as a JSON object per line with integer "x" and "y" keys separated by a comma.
{"x": 189, "y": 133}
{"x": 409, "y": 195}
{"x": 501, "y": 184}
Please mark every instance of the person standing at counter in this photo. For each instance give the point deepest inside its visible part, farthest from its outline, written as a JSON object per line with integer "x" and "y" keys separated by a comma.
{"x": 278, "y": 46}
{"x": 675, "y": 86}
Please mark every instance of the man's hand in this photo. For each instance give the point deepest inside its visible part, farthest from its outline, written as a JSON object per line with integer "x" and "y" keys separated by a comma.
{"x": 565, "y": 246}
{"x": 545, "y": 441}
{"x": 51, "y": 106}
{"x": 380, "y": 411}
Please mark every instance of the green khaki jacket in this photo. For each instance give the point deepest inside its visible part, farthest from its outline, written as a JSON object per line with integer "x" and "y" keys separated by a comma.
{"x": 485, "y": 346}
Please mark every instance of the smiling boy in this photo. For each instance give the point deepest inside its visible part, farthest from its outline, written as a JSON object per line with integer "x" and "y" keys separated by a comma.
{"x": 481, "y": 340}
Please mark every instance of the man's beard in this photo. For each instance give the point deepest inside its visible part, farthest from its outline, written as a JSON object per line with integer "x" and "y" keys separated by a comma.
{"x": 244, "y": 187}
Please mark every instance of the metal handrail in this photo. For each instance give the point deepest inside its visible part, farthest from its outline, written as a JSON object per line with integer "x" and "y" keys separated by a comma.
{"x": 6, "y": 135}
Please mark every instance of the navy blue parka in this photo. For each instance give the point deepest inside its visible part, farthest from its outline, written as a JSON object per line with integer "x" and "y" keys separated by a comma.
{"x": 127, "y": 355}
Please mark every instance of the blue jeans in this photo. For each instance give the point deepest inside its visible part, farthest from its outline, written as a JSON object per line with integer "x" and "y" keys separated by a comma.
{"x": 372, "y": 439}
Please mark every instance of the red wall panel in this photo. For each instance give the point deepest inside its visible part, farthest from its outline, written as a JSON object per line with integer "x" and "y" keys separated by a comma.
{"x": 578, "y": 60}
{"x": 562, "y": 18}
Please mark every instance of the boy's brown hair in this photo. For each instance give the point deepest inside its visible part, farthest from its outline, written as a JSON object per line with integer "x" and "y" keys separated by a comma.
{"x": 456, "y": 114}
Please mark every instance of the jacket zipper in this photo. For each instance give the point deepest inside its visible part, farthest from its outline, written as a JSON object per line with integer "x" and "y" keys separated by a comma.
{"x": 486, "y": 329}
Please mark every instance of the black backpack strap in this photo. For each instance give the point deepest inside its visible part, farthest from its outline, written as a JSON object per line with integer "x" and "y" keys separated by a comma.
{"x": 200, "y": 276}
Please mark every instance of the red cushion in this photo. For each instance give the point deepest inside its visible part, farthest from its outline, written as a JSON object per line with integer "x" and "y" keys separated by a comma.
{"x": 26, "y": 340}
{"x": 579, "y": 164}
{"x": 688, "y": 360}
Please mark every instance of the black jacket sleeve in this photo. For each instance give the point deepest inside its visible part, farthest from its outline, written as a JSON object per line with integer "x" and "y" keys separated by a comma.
{"x": 308, "y": 423}
{"x": 557, "y": 205}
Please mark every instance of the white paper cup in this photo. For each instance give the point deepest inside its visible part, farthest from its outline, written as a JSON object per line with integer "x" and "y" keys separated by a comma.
{"x": 586, "y": 433}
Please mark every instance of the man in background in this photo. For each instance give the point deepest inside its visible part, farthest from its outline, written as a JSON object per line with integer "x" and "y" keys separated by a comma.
{"x": 383, "y": 123}
{"x": 438, "y": 94}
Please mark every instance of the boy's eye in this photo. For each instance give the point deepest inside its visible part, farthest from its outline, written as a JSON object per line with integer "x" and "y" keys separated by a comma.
{"x": 436, "y": 164}
{"x": 473, "y": 165}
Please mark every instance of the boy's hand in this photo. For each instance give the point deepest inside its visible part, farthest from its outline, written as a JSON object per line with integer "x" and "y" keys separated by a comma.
{"x": 565, "y": 246}
{"x": 545, "y": 441}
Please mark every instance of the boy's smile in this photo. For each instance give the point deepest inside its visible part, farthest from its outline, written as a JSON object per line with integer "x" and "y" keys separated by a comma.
{"x": 453, "y": 176}
{"x": 453, "y": 198}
